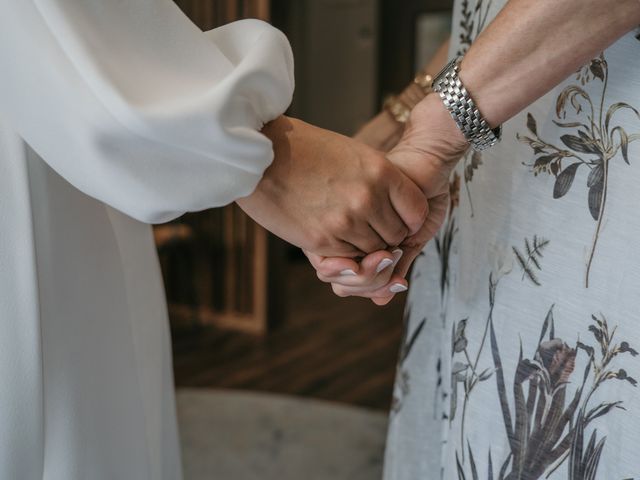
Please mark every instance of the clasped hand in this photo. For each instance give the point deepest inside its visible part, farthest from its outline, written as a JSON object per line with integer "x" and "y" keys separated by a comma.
{"x": 360, "y": 216}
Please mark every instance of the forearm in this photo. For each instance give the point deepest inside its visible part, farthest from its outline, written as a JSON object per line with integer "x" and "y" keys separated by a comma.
{"x": 532, "y": 46}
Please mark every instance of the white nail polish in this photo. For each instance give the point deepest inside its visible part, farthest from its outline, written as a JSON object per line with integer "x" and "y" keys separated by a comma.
{"x": 397, "y": 288}
{"x": 384, "y": 264}
{"x": 397, "y": 255}
{"x": 348, "y": 273}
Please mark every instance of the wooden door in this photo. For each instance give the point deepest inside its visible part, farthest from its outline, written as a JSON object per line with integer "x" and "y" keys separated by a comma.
{"x": 217, "y": 264}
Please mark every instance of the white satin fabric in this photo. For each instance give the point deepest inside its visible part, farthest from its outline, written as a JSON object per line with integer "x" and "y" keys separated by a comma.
{"x": 110, "y": 112}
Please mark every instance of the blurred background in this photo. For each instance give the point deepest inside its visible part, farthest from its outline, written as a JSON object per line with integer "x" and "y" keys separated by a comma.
{"x": 273, "y": 371}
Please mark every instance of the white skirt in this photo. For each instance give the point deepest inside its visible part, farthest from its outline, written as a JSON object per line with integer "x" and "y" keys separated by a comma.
{"x": 86, "y": 386}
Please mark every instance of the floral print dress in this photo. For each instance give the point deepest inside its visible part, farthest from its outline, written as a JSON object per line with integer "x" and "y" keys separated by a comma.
{"x": 522, "y": 329}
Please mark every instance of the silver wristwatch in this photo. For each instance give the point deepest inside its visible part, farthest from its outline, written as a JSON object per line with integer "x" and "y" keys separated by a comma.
{"x": 462, "y": 108}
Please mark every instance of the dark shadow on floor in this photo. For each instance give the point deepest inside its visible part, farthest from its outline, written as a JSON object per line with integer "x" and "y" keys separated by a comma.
{"x": 327, "y": 347}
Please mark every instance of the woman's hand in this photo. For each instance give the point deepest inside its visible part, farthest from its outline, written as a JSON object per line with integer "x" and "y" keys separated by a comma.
{"x": 528, "y": 49}
{"x": 348, "y": 277}
{"x": 331, "y": 195}
{"x": 427, "y": 153}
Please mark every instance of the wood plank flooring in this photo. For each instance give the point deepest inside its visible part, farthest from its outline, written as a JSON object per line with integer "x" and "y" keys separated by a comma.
{"x": 326, "y": 347}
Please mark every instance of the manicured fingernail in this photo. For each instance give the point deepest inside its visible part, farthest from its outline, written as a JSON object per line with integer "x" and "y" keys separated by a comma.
{"x": 397, "y": 255}
{"x": 384, "y": 264}
{"x": 348, "y": 273}
{"x": 397, "y": 288}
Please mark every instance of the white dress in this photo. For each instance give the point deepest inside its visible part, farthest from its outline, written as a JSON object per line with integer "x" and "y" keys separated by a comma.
{"x": 112, "y": 113}
{"x": 521, "y": 355}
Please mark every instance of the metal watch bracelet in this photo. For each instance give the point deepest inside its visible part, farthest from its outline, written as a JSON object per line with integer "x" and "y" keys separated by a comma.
{"x": 462, "y": 108}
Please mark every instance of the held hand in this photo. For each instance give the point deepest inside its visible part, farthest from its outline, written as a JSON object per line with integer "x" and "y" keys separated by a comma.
{"x": 350, "y": 278}
{"x": 332, "y": 195}
{"x": 428, "y": 151}
{"x": 431, "y": 147}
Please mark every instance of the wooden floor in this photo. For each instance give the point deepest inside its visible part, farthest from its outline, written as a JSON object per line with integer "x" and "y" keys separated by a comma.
{"x": 327, "y": 347}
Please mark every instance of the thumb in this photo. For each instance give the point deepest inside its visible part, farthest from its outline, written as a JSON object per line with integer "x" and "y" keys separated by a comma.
{"x": 427, "y": 171}
{"x": 409, "y": 201}
{"x": 413, "y": 245}
{"x": 410, "y": 254}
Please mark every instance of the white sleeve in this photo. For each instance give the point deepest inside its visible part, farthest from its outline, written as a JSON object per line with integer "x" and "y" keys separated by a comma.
{"x": 131, "y": 103}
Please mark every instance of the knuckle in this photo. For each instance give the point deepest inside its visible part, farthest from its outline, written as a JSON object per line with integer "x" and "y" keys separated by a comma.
{"x": 379, "y": 168}
{"x": 339, "y": 290}
{"x": 340, "y": 223}
{"x": 363, "y": 200}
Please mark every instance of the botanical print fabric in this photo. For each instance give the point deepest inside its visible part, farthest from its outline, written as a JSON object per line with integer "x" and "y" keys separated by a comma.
{"x": 522, "y": 330}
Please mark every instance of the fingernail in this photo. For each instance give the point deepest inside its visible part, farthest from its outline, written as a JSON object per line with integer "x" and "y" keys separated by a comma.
{"x": 348, "y": 273}
{"x": 397, "y": 288}
{"x": 384, "y": 264}
{"x": 397, "y": 255}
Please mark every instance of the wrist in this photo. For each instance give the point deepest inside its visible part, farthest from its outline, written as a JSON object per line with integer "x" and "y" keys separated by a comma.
{"x": 432, "y": 113}
{"x": 463, "y": 109}
{"x": 276, "y": 130}
{"x": 280, "y": 132}
{"x": 431, "y": 146}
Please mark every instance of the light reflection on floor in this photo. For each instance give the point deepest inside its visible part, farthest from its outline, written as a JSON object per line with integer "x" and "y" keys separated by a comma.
{"x": 254, "y": 436}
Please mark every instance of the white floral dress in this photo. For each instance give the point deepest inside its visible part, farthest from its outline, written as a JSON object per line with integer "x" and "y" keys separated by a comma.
{"x": 520, "y": 355}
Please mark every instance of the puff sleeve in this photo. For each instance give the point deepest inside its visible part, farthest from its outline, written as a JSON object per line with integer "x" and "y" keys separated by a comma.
{"x": 135, "y": 106}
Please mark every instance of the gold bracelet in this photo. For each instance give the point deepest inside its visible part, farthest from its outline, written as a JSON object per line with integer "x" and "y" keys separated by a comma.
{"x": 424, "y": 80}
{"x": 398, "y": 110}
{"x": 400, "y": 106}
